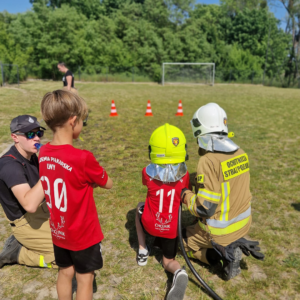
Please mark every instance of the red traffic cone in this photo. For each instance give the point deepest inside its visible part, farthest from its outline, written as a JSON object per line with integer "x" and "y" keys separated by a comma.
{"x": 148, "y": 110}
{"x": 113, "y": 110}
{"x": 179, "y": 109}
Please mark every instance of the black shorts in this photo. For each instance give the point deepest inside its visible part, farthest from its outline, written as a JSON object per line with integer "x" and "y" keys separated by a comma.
{"x": 84, "y": 261}
{"x": 168, "y": 246}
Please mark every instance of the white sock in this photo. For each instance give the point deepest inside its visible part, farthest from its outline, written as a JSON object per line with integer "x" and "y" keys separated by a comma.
{"x": 143, "y": 251}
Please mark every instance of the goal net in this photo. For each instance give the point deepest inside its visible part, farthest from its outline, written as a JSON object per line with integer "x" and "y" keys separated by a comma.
{"x": 193, "y": 73}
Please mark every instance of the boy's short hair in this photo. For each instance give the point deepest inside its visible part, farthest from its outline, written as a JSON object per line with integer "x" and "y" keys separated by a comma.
{"x": 72, "y": 90}
{"x": 58, "y": 106}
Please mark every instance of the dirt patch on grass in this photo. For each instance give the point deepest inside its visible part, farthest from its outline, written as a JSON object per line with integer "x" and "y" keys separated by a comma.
{"x": 257, "y": 273}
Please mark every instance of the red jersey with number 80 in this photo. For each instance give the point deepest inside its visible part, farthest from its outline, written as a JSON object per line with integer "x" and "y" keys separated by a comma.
{"x": 67, "y": 175}
{"x": 160, "y": 216}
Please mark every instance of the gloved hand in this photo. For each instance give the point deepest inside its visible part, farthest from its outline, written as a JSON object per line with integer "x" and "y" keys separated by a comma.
{"x": 182, "y": 196}
{"x": 251, "y": 247}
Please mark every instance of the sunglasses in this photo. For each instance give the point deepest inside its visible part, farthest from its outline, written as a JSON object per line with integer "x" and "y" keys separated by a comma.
{"x": 31, "y": 134}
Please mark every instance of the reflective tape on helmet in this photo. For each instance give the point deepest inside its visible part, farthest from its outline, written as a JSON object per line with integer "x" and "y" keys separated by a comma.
{"x": 209, "y": 195}
{"x": 225, "y": 227}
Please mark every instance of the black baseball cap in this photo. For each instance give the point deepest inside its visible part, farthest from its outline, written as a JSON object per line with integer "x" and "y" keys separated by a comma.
{"x": 24, "y": 123}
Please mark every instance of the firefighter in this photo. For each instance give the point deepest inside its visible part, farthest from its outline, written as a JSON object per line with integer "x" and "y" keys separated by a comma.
{"x": 222, "y": 198}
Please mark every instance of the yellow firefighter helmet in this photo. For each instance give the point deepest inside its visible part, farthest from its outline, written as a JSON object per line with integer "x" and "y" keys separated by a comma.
{"x": 167, "y": 145}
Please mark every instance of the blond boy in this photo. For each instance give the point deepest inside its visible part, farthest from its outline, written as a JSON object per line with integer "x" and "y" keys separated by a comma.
{"x": 68, "y": 176}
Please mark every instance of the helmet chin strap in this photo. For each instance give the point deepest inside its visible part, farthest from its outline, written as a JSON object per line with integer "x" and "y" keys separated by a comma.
{"x": 217, "y": 142}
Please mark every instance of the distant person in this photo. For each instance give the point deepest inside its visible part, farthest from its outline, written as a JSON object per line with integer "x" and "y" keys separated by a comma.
{"x": 31, "y": 242}
{"x": 165, "y": 177}
{"x": 68, "y": 79}
{"x": 68, "y": 177}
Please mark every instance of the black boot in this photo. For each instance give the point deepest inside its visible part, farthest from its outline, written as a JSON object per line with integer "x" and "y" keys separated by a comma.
{"x": 10, "y": 252}
{"x": 213, "y": 257}
{"x": 233, "y": 269}
{"x": 9, "y": 240}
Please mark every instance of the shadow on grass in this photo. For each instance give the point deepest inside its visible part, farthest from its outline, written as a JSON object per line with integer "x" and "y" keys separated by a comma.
{"x": 296, "y": 206}
{"x": 130, "y": 226}
{"x": 187, "y": 219}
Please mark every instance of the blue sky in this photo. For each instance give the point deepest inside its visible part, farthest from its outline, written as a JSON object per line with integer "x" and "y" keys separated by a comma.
{"x": 15, "y": 6}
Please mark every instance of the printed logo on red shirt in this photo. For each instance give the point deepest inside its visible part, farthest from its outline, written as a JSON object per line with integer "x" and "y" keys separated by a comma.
{"x": 163, "y": 223}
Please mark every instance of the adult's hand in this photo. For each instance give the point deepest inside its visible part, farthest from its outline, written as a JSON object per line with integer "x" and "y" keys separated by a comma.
{"x": 182, "y": 195}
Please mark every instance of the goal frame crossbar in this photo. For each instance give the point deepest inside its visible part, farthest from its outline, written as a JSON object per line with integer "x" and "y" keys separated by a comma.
{"x": 185, "y": 63}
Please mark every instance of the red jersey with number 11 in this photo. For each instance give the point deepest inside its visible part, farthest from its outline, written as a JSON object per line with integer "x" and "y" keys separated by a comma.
{"x": 160, "y": 216}
{"x": 67, "y": 175}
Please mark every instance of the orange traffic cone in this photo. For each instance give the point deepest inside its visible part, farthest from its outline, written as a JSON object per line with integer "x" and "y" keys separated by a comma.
{"x": 113, "y": 110}
{"x": 148, "y": 110}
{"x": 179, "y": 109}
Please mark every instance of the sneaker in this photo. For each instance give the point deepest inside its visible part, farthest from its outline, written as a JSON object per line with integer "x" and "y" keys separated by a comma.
{"x": 11, "y": 251}
{"x": 233, "y": 269}
{"x": 180, "y": 281}
{"x": 143, "y": 258}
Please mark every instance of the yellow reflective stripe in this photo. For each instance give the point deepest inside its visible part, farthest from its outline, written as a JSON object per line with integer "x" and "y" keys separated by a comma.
{"x": 228, "y": 203}
{"x": 229, "y": 229}
{"x": 191, "y": 207}
{"x": 190, "y": 254}
{"x": 225, "y": 206}
{"x": 209, "y": 195}
{"x": 42, "y": 265}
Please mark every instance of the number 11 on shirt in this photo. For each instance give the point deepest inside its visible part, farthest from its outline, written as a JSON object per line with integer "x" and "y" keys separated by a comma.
{"x": 161, "y": 199}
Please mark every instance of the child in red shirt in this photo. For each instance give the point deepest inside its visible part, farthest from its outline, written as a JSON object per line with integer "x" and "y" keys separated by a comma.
{"x": 68, "y": 176}
{"x": 165, "y": 177}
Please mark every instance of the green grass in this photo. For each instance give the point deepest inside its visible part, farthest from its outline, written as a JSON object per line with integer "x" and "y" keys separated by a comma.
{"x": 265, "y": 121}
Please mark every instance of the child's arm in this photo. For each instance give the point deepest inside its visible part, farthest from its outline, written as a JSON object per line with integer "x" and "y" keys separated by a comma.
{"x": 108, "y": 185}
{"x": 95, "y": 174}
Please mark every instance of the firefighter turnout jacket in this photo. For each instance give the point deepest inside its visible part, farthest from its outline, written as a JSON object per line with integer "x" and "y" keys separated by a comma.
{"x": 222, "y": 199}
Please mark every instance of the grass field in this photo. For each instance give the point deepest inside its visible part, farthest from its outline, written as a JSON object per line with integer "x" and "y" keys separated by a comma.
{"x": 266, "y": 125}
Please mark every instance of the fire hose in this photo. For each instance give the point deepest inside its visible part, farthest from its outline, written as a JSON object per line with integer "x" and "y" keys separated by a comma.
{"x": 210, "y": 292}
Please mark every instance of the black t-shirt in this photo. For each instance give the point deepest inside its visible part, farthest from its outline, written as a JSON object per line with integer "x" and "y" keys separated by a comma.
{"x": 68, "y": 73}
{"x": 14, "y": 172}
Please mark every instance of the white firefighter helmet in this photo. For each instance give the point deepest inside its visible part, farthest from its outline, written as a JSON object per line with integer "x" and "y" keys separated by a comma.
{"x": 209, "y": 118}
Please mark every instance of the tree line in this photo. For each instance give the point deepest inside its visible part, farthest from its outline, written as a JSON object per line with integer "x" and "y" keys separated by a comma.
{"x": 240, "y": 35}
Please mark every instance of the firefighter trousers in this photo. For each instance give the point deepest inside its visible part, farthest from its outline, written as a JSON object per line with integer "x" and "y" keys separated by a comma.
{"x": 196, "y": 242}
{"x": 33, "y": 231}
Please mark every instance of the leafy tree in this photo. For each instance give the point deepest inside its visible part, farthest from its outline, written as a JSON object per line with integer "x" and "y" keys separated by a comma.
{"x": 233, "y": 7}
{"x": 96, "y": 34}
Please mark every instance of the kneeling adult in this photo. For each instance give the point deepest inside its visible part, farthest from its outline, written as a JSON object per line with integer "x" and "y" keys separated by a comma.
{"x": 31, "y": 242}
{"x": 222, "y": 198}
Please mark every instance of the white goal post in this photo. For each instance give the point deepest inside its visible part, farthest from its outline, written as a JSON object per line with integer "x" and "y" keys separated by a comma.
{"x": 191, "y": 73}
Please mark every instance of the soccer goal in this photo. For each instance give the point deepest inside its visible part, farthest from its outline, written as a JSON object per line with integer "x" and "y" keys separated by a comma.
{"x": 192, "y": 73}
